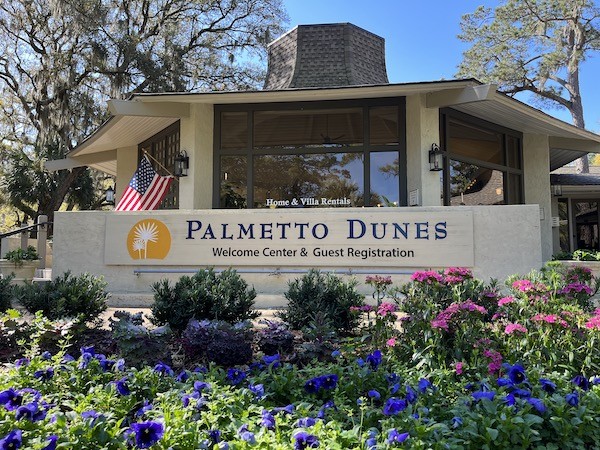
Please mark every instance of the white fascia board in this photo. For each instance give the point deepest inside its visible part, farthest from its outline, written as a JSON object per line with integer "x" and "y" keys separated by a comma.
{"x": 470, "y": 94}
{"x": 299, "y": 95}
{"x": 581, "y": 145}
{"x": 566, "y": 130}
{"x": 69, "y": 163}
{"x": 137, "y": 108}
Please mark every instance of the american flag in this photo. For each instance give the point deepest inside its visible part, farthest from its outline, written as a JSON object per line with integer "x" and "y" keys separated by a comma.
{"x": 146, "y": 189}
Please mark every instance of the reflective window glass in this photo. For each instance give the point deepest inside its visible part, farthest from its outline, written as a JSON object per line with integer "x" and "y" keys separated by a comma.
{"x": 312, "y": 180}
{"x": 473, "y": 185}
{"x": 474, "y": 141}
{"x": 385, "y": 185}
{"x": 298, "y": 128}
{"x": 383, "y": 123}
{"x": 234, "y": 130}
{"x": 233, "y": 192}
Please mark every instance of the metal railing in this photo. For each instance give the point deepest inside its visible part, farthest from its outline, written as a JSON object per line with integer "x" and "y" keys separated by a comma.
{"x": 276, "y": 271}
{"x": 42, "y": 236}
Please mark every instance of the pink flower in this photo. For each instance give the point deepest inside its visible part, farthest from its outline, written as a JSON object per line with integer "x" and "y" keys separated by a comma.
{"x": 593, "y": 323}
{"x": 512, "y": 327}
{"x": 378, "y": 280}
{"x": 440, "y": 323}
{"x": 386, "y": 308}
{"x": 505, "y": 301}
{"x": 496, "y": 361}
{"x": 550, "y": 318}
{"x": 456, "y": 275}
{"x": 576, "y": 287}
{"x": 427, "y": 276}
{"x": 523, "y": 285}
{"x": 470, "y": 306}
{"x": 391, "y": 342}
{"x": 458, "y": 368}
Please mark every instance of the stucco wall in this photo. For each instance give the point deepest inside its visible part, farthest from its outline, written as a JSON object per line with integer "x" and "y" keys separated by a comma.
{"x": 195, "y": 191}
{"x": 127, "y": 161}
{"x": 422, "y": 130}
{"x": 506, "y": 241}
{"x": 536, "y": 174}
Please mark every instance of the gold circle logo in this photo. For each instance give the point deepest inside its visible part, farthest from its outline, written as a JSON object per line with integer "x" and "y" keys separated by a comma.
{"x": 149, "y": 239}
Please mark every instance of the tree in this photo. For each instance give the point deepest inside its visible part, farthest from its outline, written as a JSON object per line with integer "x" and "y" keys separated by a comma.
{"x": 60, "y": 60}
{"x": 534, "y": 46}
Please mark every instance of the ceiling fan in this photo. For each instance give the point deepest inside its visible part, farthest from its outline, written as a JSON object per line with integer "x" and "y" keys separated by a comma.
{"x": 328, "y": 140}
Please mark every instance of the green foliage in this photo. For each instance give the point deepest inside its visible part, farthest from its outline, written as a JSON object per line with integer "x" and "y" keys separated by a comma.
{"x": 137, "y": 344}
{"x": 578, "y": 255}
{"x": 205, "y": 295}
{"x": 546, "y": 395}
{"x": 81, "y": 297}
{"x": 323, "y": 296}
{"x": 533, "y": 46}
{"x": 115, "y": 50}
{"x": 34, "y": 191}
{"x": 19, "y": 255}
{"x": 6, "y": 293}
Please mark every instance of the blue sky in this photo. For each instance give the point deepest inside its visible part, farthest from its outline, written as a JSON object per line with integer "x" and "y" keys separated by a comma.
{"x": 421, "y": 39}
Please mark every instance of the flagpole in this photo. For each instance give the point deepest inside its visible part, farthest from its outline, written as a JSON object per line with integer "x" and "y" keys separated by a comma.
{"x": 159, "y": 164}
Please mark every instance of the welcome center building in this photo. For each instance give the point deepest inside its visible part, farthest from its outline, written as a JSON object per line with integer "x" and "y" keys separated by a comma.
{"x": 330, "y": 166}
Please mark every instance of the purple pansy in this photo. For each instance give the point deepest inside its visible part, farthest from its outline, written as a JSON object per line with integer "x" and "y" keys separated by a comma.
{"x": 147, "y": 433}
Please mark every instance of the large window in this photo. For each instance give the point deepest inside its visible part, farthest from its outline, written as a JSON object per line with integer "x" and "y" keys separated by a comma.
{"x": 482, "y": 161}
{"x": 162, "y": 148}
{"x": 311, "y": 154}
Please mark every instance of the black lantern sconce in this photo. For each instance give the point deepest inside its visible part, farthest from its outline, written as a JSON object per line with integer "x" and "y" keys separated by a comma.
{"x": 109, "y": 196}
{"x": 557, "y": 190}
{"x": 182, "y": 164}
{"x": 435, "y": 158}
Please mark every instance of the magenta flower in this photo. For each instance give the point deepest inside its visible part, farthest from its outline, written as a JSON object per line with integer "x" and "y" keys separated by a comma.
{"x": 458, "y": 368}
{"x": 514, "y": 327}
{"x": 505, "y": 301}
{"x": 523, "y": 285}
{"x": 386, "y": 308}
{"x": 550, "y": 318}
{"x": 378, "y": 280}
{"x": 427, "y": 277}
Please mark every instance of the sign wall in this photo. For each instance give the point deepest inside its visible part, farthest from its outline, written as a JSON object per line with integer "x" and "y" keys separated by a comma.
{"x": 386, "y": 237}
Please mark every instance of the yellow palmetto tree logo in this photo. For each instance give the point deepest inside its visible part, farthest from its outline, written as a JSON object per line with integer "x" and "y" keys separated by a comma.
{"x": 149, "y": 239}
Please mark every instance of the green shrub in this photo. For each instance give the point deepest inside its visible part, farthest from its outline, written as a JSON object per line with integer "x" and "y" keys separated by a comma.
{"x": 19, "y": 255}
{"x": 6, "y": 293}
{"x": 82, "y": 297}
{"x": 205, "y": 295}
{"x": 324, "y": 296}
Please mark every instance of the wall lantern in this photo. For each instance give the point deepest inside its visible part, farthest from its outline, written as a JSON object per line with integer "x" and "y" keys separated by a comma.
{"x": 435, "y": 158}
{"x": 109, "y": 195}
{"x": 557, "y": 190}
{"x": 182, "y": 164}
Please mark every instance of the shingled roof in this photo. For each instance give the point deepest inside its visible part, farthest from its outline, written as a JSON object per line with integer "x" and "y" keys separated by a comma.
{"x": 326, "y": 55}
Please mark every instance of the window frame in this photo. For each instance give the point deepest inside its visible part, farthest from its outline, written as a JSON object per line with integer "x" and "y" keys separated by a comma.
{"x": 365, "y": 149}
{"x": 171, "y": 200}
{"x": 448, "y": 113}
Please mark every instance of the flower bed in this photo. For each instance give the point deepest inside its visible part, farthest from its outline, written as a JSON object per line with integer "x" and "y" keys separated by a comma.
{"x": 472, "y": 368}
